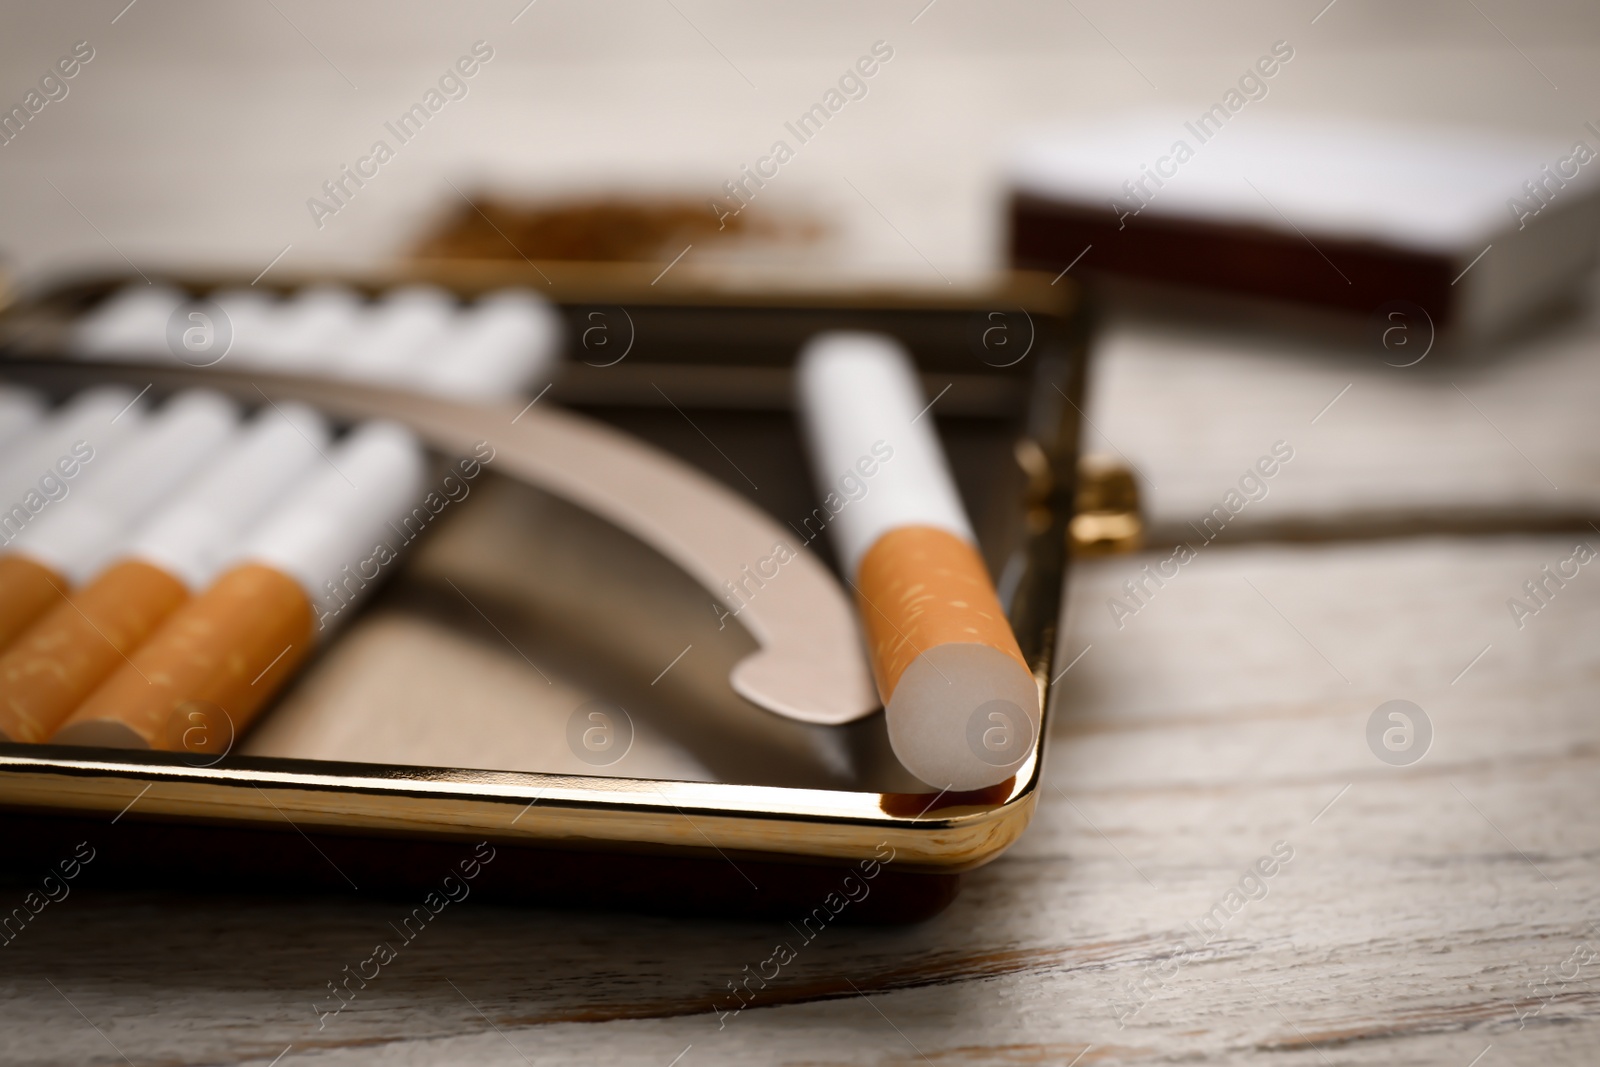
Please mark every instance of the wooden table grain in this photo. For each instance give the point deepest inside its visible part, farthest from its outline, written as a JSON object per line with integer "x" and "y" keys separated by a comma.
{"x": 1430, "y": 913}
{"x": 1483, "y": 438}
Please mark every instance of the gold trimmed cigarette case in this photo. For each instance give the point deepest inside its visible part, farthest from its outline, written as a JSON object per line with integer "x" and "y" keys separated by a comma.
{"x": 449, "y": 707}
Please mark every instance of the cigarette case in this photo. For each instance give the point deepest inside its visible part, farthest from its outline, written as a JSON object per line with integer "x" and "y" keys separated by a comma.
{"x": 519, "y": 603}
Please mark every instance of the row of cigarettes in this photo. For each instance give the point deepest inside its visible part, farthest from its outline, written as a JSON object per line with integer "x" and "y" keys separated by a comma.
{"x": 160, "y": 568}
{"x": 417, "y": 337}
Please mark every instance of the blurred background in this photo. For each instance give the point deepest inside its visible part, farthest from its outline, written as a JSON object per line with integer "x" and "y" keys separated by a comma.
{"x": 198, "y": 131}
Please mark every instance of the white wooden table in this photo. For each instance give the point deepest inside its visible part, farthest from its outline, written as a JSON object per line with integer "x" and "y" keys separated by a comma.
{"x": 1425, "y": 915}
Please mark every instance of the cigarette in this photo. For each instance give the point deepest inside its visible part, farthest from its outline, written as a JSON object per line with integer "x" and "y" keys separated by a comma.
{"x": 56, "y": 661}
{"x": 960, "y": 703}
{"x": 61, "y": 658}
{"x": 20, "y": 412}
{"x": 195, "y": 535}
{"x": 248, "y": 316}
{"x": 86, "y": 427}
{"x": 417, "y": 336}
{"x": 126, "y": 481}
{"x": 131, "y": 325}
{"x": 398, "y": 334}
{"x": 308, "y": 329}
{"x": 499, "y": 347}
{"x": 201, "y": 678}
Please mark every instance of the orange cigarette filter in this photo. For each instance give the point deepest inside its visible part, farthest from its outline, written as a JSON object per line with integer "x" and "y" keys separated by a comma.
{"x": 54, "y": 664}
{"x": 202, "y": 678}
{"x": 177, "y": 551}
{"x": 922, "y": 587}
{"x": 61, "y": 658}
{"x": 27, "y": 589}
{"x": 211, "y": 666}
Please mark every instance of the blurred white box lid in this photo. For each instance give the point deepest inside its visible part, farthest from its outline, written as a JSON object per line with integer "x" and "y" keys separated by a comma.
{"x": 1440, "y": 191}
